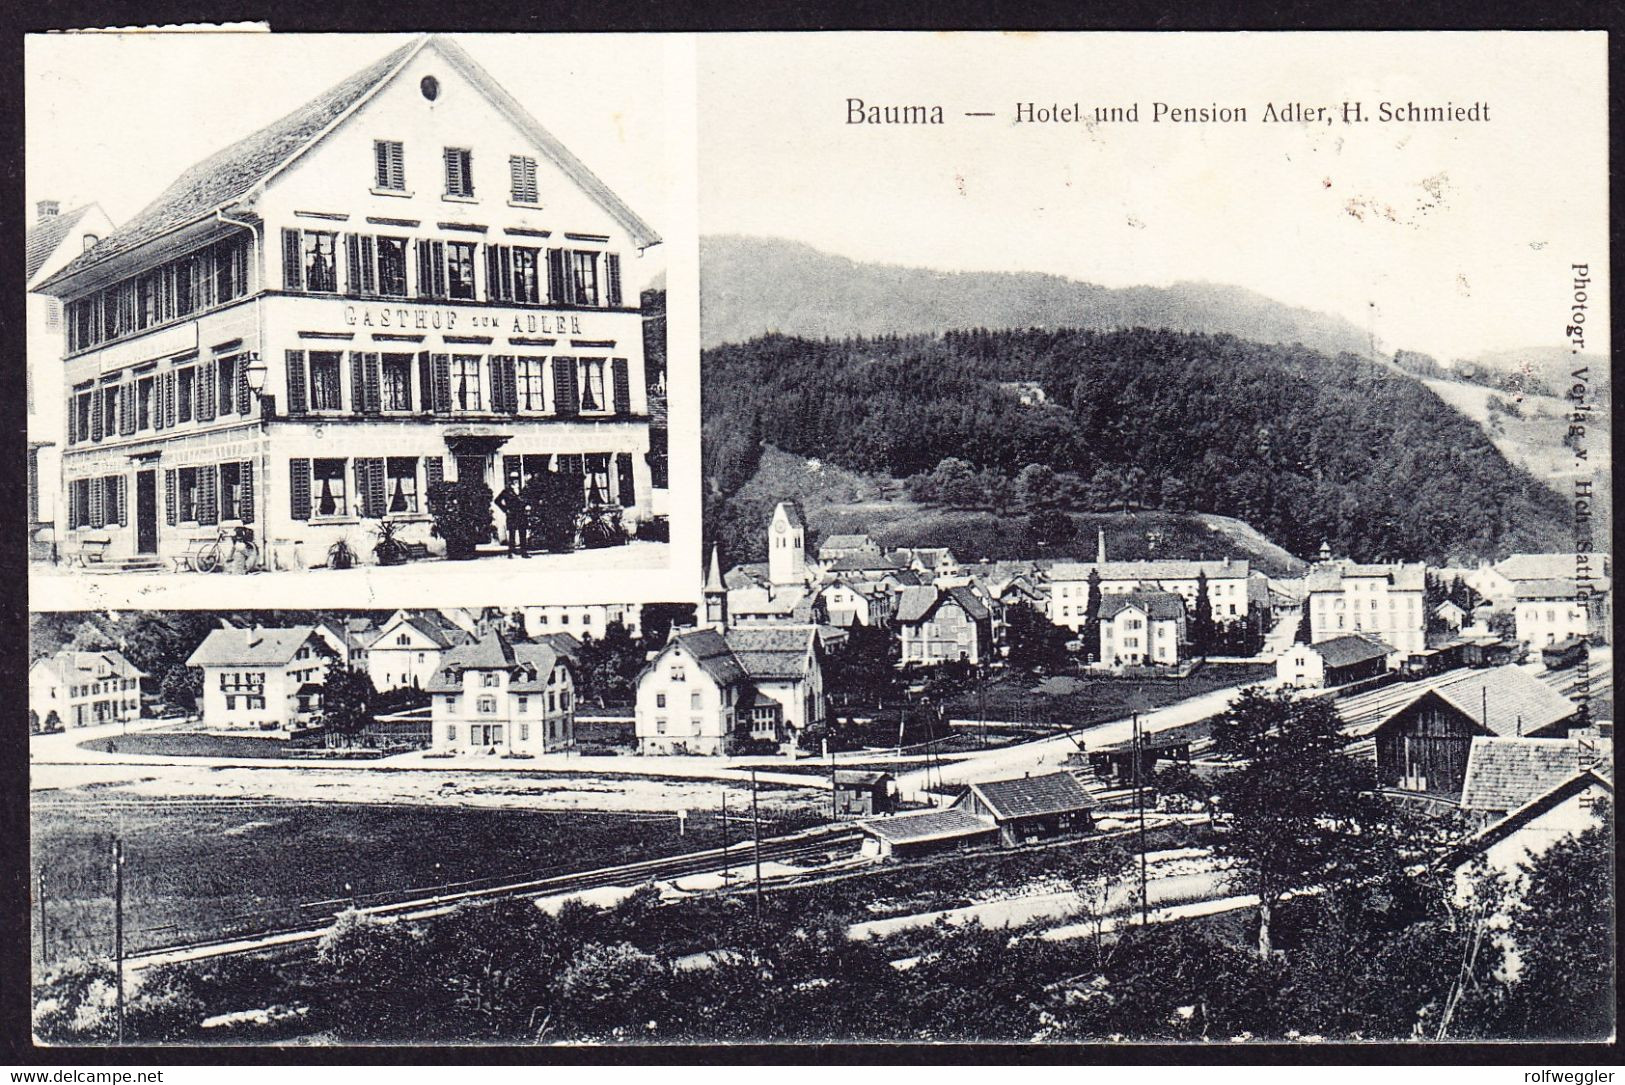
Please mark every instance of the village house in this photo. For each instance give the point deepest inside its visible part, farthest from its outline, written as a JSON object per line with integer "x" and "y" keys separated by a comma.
{"x": 493, "y": 696}
{"x": 405, "y": 282}
{"x": 583, "y": 620}
{"x": 81, "y": 689}
{"x": 1573, "y": 804}
{"x": 267, "y": 679}
{"x": 708, "y": 691}
{"x": 1498, "y": 583}
{"x": 943, "y": 625}
{"x": 1385, "y": 601}
{"x": 1423, "y": 745}
{"x": 931, "y": 562}
{"x": 349, "y": 638}
{"x": 862, "y": 794}
{"x": 858, "y": 602}
{"x": 1451, "y": 615}
{"x": 911, "y": 836}
{"x": 840, "y": 546}
{"x": 1506, "y": 774}
{"x": 1553, "y": 610}
{"x": 864, "y": 565}
{"x": 1142, "y": 627}
{"x": 407, "y": 652}
{"x": 1235, "y": 593}
{"x": 1334, "y": 662}
{"x": 54, "y": 238}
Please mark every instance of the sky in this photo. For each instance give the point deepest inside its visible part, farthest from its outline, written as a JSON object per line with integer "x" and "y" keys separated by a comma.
{"x": 114, "y": 118}
{"x": 1449, "y": 239}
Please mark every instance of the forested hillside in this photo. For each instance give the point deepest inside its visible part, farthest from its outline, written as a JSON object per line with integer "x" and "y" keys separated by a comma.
{"x": 1300, "y": 445}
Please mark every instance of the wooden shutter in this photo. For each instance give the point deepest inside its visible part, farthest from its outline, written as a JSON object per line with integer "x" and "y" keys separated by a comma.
{"x": 299, "y": 489}
{"x": 623, "y": 386}
{"x": 493, "y": 281}
{"x": 245, "y": 503}
{"x": 358, "y": 382}
{"x": 121, "y": 503}
{"x": 208, "y": 508}
{"x": 369, "y": 472}
{"x": 504, "y": 384}
{"x": 73, "y": 415}
{"x": 98, "y": 508}
{"x": 442, "y": 383}
{"x": 397, "y": 163}
{"x": 425, "y": 270}
{"x": 380, "y": 153}
{"x": 612, "y": 272}
{"x": 96, "y": 400}
{"x": 169, "y": 497}
{"x": 205, "y": 392}
{"x": 556, "y": 279}
{"x": 623, "y": 473}
{"x": 352, "y": 262}
{"x": 373, "y": 402}
{"x": 566, "y": 401}
{"x": 438, "y": 249}
{"x": 369, "y": 264}
{"x": 426, "y": 381}
{"x": 126, "y": 408}
{"x": 244, "y": 394}
{"x": 298, "y": 401}
{"x": 454, "y": 173}
{"x": 434, "y": 471}
{"x": 293, "y": 277}
{"x": 172, "y": 412}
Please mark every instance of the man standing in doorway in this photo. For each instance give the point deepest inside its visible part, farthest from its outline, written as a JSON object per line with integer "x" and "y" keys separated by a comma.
{"x": 514, "y": 515}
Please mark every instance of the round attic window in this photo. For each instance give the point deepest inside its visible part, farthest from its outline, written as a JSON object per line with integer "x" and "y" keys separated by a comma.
{"x": 430, "y": 87}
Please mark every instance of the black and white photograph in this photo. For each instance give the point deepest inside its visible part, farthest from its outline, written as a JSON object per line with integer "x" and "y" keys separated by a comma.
{"x": 1105, "y": 555}
{"x": 379, "y": 344}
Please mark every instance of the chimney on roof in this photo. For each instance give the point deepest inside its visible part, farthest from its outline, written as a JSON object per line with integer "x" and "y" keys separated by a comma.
{"x": 47, "y": 209}
{"x": 255, "y": 635}
{"x": 1100, "y": 546}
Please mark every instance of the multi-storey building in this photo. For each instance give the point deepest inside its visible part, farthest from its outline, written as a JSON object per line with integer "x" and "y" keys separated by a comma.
{"x": 269, "y": 679}
{"x": 492, "y": 695}
{"x": 405, "y": 282}
{"x": 943, "y": 625}
{"x": 407, "y": 651}
{"x": 1557, "y": 609}
{"x": 583, "y": 619}
{"x": 56, "y": 237}
{"x": 79, "y": 689}
{"x": 1142, "y": 627}
{"x": 1384, "y": 601}
{"x": 1235, "y": 592}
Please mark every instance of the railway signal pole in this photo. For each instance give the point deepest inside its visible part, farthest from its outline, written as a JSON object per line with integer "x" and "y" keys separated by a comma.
{"x": 756, "y": 845}
{"x": 1139, "y": 806}
{"x": 44, "y": 931}
{"x": 727, "y": 872}
{"x": 118, "y": 930}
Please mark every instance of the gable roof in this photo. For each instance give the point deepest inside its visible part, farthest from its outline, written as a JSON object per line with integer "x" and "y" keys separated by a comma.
{"x": 1557, "y": 587}
{"x": 863, "y": 561}
{"x": 1157, "y": 605}
{"x": 1506, "y": 773}
{"x": 773, "y": 651}
{"x": 47, "y": 236}
{"x": 845, "y": 542}
{"x": 929, "y": 825}
{"x": 1032, "y": 796}
{"x": 792, "y": 513}
{"x": 712, "y": 653}
{"x": 1517, "y": 567}
{"x": 70, "y": 666}
{"x": 529, "y": 664}
{"x": 249, "y": 647}
{"x": 1598, "y": 775}
{"x": 235, "y": 171}
{"x": 1401, "y": 575}
{"x": 1351, "y": 648}
{"x": 782, "y": 601}
{"x": 1504, "y": 700}
{"x": 1149, "y": 570}
{"x": 916, "y": 602}
{"x": 434, "y": 628}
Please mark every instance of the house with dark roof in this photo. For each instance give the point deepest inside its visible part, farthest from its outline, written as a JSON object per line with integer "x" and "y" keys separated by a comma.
{"x": 1334, "y": 662}
{"x": 943, "y": 625}
{"x": 407, "y": 281}
{"x": 495, "y": 696}
{"x": 1424, "y": 744}
{"x": 81, "y": 689}
{"x": 54, "y": 238}
{"x": 406, "y": 651}
{"x": 349, "y": 638}
{"x": 836, "y": 547}
{"x": 1383, "y": 600}
{"x": 1551, "y": 610}
{"x": 1028, "y": 809}
{"x": 1142, "y": 627}
{"x": 1237, "y": 594}
{"x": 1582, "y": 799}
{"x": 712, "y": 691}
{"x": 928, "y": 832}
{"x": 1504, "y": 774}
{"x": 265, "y": 679}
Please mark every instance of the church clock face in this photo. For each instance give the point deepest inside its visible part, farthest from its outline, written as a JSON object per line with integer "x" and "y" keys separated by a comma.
{"x": 779, "y": 527}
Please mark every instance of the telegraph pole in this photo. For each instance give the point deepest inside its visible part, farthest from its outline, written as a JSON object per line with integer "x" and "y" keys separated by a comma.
{"x": 756, "y": 845}
{"x": 834, "y": 785}
{"x": 1139, "y": 806}
{"x": 118, "y": 929}
{"x": 44, "y": 933}
{"x": 726, "y": 871}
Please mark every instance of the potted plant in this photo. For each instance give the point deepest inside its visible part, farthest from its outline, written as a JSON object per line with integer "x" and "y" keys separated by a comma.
{"x": 555, "y": 500}
{"x": 462, "y": 516}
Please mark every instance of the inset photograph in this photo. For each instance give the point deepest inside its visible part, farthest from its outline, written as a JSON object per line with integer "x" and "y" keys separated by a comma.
{"x": 354, "y": 330}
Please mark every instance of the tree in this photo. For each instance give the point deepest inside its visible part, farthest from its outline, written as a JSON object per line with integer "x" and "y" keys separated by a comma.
{"x": 1304, "y": 632}
{"x": 462, "y": 515}
{"x": 608, "y": 666}
{"x": 609, "y": 986}
{"x": 1201, "y": 630}
{"x": 1047, "y": 526}
{"x": 33, "y": 722}
{"x": 1037, "y": 487}
{"x": 658, "y": 619}
{"x": 1094, "y": 869}
{"x": 182, "y": 688}
{"x": 53, "y": 722}
{"x": 1563, "y": 930}
{"x": 1036, "y": 643}
{"x": 863, "y": 671}
{"x": 1299, "y": 810}
{"x": 348, "y": 698}
{"x": 1106, "y": 487}
{"x": 1091, "y": 617}
{"x": 957, "y": 483}
{"x": 554, "y": 500}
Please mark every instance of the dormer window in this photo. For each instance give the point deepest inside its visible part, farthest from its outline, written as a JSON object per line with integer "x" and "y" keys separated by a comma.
{"x": 90, "y": 241}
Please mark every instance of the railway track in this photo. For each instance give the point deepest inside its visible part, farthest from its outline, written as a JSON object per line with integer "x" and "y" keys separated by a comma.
{"x": 739, "y": 856}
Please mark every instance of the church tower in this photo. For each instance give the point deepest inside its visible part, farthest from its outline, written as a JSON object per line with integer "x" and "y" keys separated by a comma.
{"x": 787, "y": 546}
{"x": 716, "y": 595}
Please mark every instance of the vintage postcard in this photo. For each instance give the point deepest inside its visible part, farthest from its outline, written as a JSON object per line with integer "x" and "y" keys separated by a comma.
{"x": 821, "y": 538}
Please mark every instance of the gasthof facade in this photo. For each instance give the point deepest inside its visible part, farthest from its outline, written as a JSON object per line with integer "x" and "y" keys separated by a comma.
{"x": 405, "y": 282}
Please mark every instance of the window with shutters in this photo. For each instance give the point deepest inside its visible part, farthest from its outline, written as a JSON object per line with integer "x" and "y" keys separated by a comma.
{"x": 317, "y": 261}
{"x": 590, "y": 378}
{"x": 402, "y": 481}
{"x": 186, "y": 495}
{"x": 185, "y": 384}
{"x": 460, "y": 173}
{"x": 397, "y": 390}
{"x": 389, "y": 157}
{"x": 522, "y": 179}
{"x": 465, "y": 382}
{"x": 369, "y": 486}
{"x": 596, "y": 479}
{"x": 527, "y": 285}
{"x": 584, "y": 278}
{"x": 460, "y": 266}
{"x": 325, "y": 390}
{"x": 79, "y": 503}
{"x": 532, "y": 384}
{"x": 231, "y": 491}
{"x": 431, "y": 269}
{"x": 328, "y": 495}
{"x": 81, "y": 415}
{"x": 392, "y": 266}
{"x": 143, "y": 403}
{"x": 361, "y": 263}
{"x": 612, "y": 273}
{"x": 226, "y": 384}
